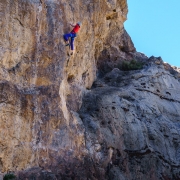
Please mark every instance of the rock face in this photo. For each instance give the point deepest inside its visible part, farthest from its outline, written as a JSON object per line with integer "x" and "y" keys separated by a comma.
{"x": 54, "y": 124}
{"x": 132, "y": 123}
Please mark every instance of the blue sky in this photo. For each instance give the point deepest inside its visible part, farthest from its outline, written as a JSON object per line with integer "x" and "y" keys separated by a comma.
{"x": 154, "y": 26}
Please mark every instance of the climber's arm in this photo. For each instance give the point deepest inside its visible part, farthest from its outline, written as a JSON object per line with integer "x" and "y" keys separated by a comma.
{"x": 72, "y": 25}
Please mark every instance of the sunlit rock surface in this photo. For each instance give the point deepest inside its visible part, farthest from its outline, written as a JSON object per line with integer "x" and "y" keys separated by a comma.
{"x": 54, "y": 124}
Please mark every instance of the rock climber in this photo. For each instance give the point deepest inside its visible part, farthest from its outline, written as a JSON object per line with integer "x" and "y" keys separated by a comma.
{"x": 72, "y": 35}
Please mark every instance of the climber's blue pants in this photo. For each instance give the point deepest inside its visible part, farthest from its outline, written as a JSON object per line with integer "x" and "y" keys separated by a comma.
{"x": 72, "y": 36}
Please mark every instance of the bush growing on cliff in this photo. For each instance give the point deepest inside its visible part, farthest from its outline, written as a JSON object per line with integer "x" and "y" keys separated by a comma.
{"x": 9, "y": 176}
{"x": 132, "y": 65}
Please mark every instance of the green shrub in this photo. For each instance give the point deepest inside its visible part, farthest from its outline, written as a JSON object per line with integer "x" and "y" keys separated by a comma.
{"x": 9, "y": 176}
{"x": 132, "y": 65}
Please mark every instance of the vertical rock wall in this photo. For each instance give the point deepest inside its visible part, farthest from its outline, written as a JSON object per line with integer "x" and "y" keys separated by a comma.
{"x": 132, "y": 122}
{"x": 41, "y": 87}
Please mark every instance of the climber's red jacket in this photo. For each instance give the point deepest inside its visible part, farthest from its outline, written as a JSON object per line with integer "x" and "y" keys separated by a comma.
{"x": 76, "y": 29}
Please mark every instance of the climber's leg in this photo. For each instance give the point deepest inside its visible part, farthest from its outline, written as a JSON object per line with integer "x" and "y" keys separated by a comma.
{"x": 72, "y": 43}
{"x": 73, "y": 35}
{"x": 66, "y": 38}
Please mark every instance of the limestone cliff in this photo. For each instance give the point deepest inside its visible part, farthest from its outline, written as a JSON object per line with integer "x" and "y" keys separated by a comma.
{"x": 132, "y": 123}
{"x": 54, "y": 124}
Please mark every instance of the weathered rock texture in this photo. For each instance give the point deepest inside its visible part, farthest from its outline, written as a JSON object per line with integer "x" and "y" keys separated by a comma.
{"x": 41, "y": 87}
{"x": 132, "y": 123}
{"x": 125, "y": 127}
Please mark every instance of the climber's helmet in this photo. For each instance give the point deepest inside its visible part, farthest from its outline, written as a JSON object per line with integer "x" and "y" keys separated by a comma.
{"x": 79, "y": 23}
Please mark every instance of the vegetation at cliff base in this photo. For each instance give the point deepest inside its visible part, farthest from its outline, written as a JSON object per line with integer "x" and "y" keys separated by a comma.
{"x": 9, "y": 176}
{"x": 130, "y": 65}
